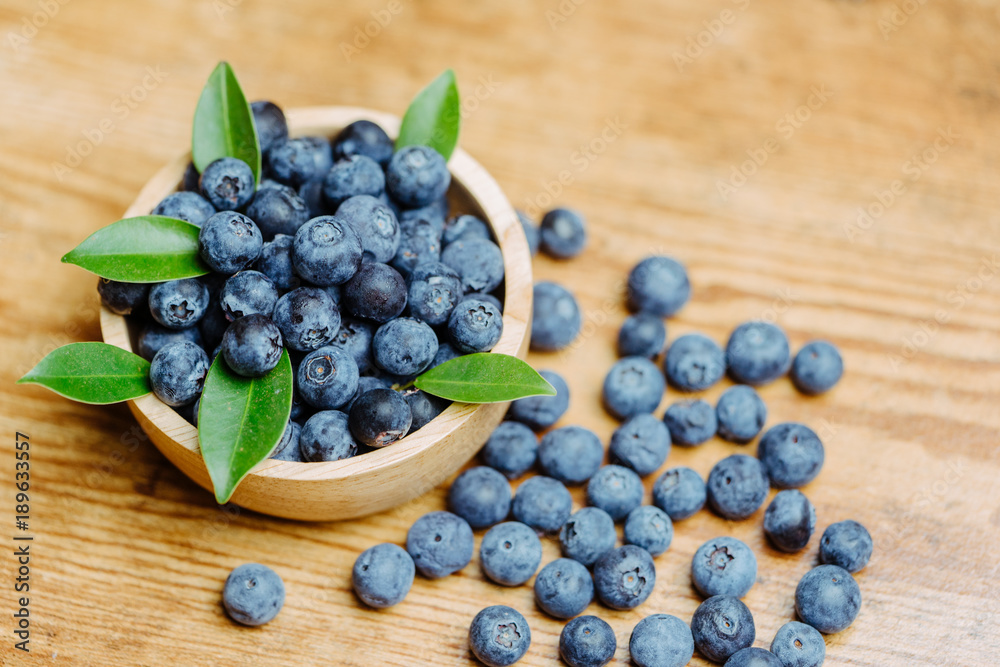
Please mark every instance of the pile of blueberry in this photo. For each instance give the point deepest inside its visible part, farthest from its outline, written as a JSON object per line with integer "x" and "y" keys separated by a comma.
{"x": 346, "y": 256}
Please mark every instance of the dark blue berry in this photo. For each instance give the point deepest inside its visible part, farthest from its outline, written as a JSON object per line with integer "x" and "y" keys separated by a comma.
{"x": 418, "y": 244}
{"x": 478, "y": 262}
{"x": 123, "y": 298}
{"x": 556, "y": 318}
{"x": 154, "y": 338}
{"x": 351, "y": 176}
{"x": 616, "y": 490}
{"x": 481, "y": 496}
{"x": 434, "y": 291}
{"x": 288, "y": 448}
{"x": 178, "y": 304}
{"x": 365, "y": 384}
{"x": 792, "y": 455}
{"x": 587, "y": 641}
{"x": 439, "y": 543}
{"x": 641, "y": 335}
{"x": 542, "y": 503}
{"x": 376, "y": 226}
{"x": 724, "y": 566}
{"x": 641, "y": 443}
{"x": 624, "y": 577}
{"x": 499, "y": 636}
{"x": 252, "y": 345}
{"x": 753, "y": 657}
{"x": 587, "y": 535}
{"x": 541, "y": 412}
{"x": 355, "y": 337}
{"x": 649, "y": 527}
{"x": 571, "y": 454}
{"x": 680, "y": 492}
{"x": 563, "y": 233}
{"x": 690, "y": 422}
{"x": 327, "y": 378}
{"x": 363, "y": 137}
{"x": 253, "y": 594}
{"x": 817, "y": 367}
{"x": 799, "y": 645}
{"x": 376, "y": 292}
{"x": 694, "y": 362}
{"x": 789, "y": 521}
{"x": 213, "y": 325}
{"x": 275, "y": 262}
{"x": 278, "y": 210}
{"x": 307, "y": 317}
{"x": 434, "y": 213}
{"x": 847, "y": 544}
{"x": 248, "y": 293}
{"x": 741, "y": 414}
{"x": 189, "y": 206}
{"x": 404, "y": 346}
{"x": 757, "y": 353}
{"x": 661, "y": 640}
{"x": 465, "y": 228}
{"x": 531, "y": 232}
{"x": 721, "y": 626}
{"x": 475, "y": 325}
{"x": 658, "y": 285}
{"x": 564, "y": 588}
{"x": 380, "y": 417}
{"x": 299, "y": 160}
{"x": 633, "y": 386}
{"x": 326, "y": 436}
{"x": 828, "y": 599}
{"x": 512, "y": 449}
{"x": 510, "y": 553}
{"x": 417, "y": 176}
{"x": 326, "y": 251}
{"x": 177, "y": 373}
{"x": 229, "y": 242}
{"x": 382, "y": 575}
{"x": 423, "y": 407}
{"x": 737, "y": 487}
{"x": 189, "y": 182}
{"x": 228, "y": 183}
{"x": 311, "y": 193}
{"x": 272, "y": 128}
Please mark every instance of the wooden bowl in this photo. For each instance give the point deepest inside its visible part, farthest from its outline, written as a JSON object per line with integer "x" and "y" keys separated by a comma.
{"x": 381, "y": 479}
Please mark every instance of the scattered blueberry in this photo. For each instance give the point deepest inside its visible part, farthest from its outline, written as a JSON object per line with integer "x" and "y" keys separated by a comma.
{"x": 694, "y": 362}
{"x": 510, "y": 553}
{"x": 178, "y": 304}
{"x": 641, "y": 335}
{"x": 564, "y": 588}
{"x": 571, "y": 454}
{"x": 649, "y": 527}
{"x": 464, "y": 228}
{"x": 792, "y": 455}
{"x": 847, "y": 544}
{"x": 154, "y": 338}
{"x": 376, "y": 292}
{"x": 382, "y": 575}
{"x": 375, "y": 224}
{"x": 252, "y": 346}
{"x": 380, "y": 417}
{"x": 658, "y": 285}
{"x": 624, "y": 577}
{"x": 404, "y": 346}
{"x": 278, "y": 210}
{"x": 789, "y": 520}
{"x": 817, "y": 367}
{"x": 556, "y": 318}
{"x": 690, "y": 422}
{"x": 512, "y": 449}
{"x": 228, "y": 183}
{"x": 288, "y": 448}
{"x": 326, "y": 251}
{"x": 327, "y": 378}
{"x": 326, "y": 436}
{"x": 253, "y": 594}
{"x": 475, "y": 325}
{"x": 248, "y": 293}
{"x": 661, "y": 640}
{"x": 363, "y": 137}
{"x": 272, "y": 128}
{"x": 753, "y": 657}
{"x": 641, "y": 443}
{"x": 587, "y": 641}
{"x": 481, "y": 496}
{"x": 757, "y": 353}
{"x": 189, "y": 206}
{"x": 737, "y": 487}
{"x": 542, "y": 503}
{"x": 721, "y": 626}
{"x": 531, "y": 232}
{"x": 434, "y": 291}
{"x": 275, "y": 262}
{"x": 680, "y": 492}
{"x": 229, "y": 242}
{"x": 499, "y": 636}
{"x": 616, "y": 490}
{"x": 478, "y": 262}
{"x": 741, "y": 414}
{"x": 440, "y": 543}
{"x": 634, "y": 385}
{"x": 587, "y": 535}
{"x": 177, "y": 373}
{"x": 307, "y": 317}
{"x": 724, "y": 566}
{"x": 799, "y": 645}
{"x": 417, "y": 176}
{"x": 541, "y": 412}
{"x": 563, "y": 233}
{"x": 828, "y": 598}
{"x": 123, "y": 298}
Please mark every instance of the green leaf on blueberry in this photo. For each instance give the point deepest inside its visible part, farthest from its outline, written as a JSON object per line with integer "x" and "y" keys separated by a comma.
{"x": 433, "y": 117}
{"x": 484, "y": 378}
{"x": 95, "y": 373}
{"x": 223, "y": 123}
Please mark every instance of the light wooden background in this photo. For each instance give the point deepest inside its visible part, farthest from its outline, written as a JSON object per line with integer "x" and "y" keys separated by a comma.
{"x": 130, "y": 556}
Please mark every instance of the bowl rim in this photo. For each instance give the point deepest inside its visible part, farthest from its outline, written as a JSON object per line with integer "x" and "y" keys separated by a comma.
{"x": 475, "y": 184}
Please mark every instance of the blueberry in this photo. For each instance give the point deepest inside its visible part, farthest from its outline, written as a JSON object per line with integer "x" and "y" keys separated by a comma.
{"x": 433, "y": 214}
{"x": 178, "y": 304}
{"x": 724, "y": 566}
{"x": 252, "y": 346}
{"x": 434, "y": 291}
{"x": 641, "y": 443}
{"x": 556, "y": 319}
{"x": 423, "y": 408}
{"x": 440, "y": 543}
{"x": 275, "y": 262}
{"x": 641, "y": 335}
{"x": 189, "y": 182}
{"x": 351, "y": 176}
{"x": 817, "y": 367}
{"x": 624, "y": 577}
{"x": 792, "y": 455}
{"x": 737, "y": 487}
{"x": 278, "y": 210}
{"x": 326, "y": 251}
{"x": 404, "y": 346}
{"x": 531, "y": 232}
{"x": 188, "y": 206}
{"x": 123, "y": 298}
{"x": 418, "y": 244}
{"x": 587, "y": 535}
{"x": 417, "y": 176}
{"x": 847, "y": 544}
{"x": 363, "y": 137}
{"x": 465, "y": 228}
{"x": 658, "y": 285}
{"x": 382, "y": 575}
{"x": 380, "y": 417}
{"x": 253, "y": 594}
{"x": 564, "y": 588}
{"x": 828, "y": 598}
{"x": 269, "y": 119}
{"x": 228, "y": 183}
{"x": 499, "y": 636}
{"x": 154, "y": 338}
{"x": 633, "y": 386}
{"x": 327, "y": 378}
{"x": 789, "y": 521}
{"x": 542, "y": 503}
{"x": 355, "y": 337}
{"x": 512, "y": 449}
{"x": 510, "y": 553}
{"x": 376, "y": 226}
{"x": 694, "y": 362}
{"x": 541, "y": 412}
{"x": 799, "y": 645}
{"x": 680, "y": 492}
{"x": 478, "y": 262}
{"x": 327, "y": 437}
{"x": 311, "y": 193}
{"x": 690, "y": 422}
{"x": 475, "y": 325}
{"x": 741, "y": 414}
{"x": 571, "y": 454}
{"x": 616, "y": 490}
{"x": 307, "y": 317}
{"x": 376, "y": 292}
{"x": 661, "y": 640}
{"x": 288, "y": 448}
{"x": 365, "y": 384}
{"x": 757, "y": 353}
{"x": 587, "y": 641}
{"x": 213, "y": 325}
{"x": 177, "y": 373}
{"x": 481, "y": 496}
{"x": 721, "y": 626}
{"x": 248, "y": 293}
{"x": 753, "y": 657}
{"x": 299, "y": 160}
{"x": 229, "y": 242}
{"x": 649, "y": 527}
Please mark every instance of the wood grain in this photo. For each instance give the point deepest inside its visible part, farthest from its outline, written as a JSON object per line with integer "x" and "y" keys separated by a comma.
{"x": 131, "y": 555}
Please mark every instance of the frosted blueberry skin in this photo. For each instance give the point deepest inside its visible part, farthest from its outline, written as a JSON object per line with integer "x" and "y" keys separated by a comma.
{"x": 661, "y": 640}
{"x": 123, "y": 298}
{"x": 375, "y": 224}
{"x": 253, "y": 594}
{"x": 326, "y": 251}
{"x": 326, "y": 436}
{"x": 188, "y": 206}
{"x": 465, "y": 228}
{"x": 757, "y": 353}
{"x": 178, "y": 304}
{"x": 499, "y": 636}
{"x": 792, "y": 455}
{"x": 327, "y": 378}
{"x": 587, "y": 641}
{"x": 475, "y": 325}
{"x": 307, "y": 317}
{"x": 531, "y": 231}
{"x": 478, "y": 262}
{"x": 556, "y": 318}
{"x": 721, "y": 626}
{"x": 649, "y": 527}
{"x": 248, "y": 293}
{"x": 737, "y": 487}
{"x": 423, "y": 407}
{"x": 624, "y": 577}
{"x": 380, "y": 417}
{"x": 634, "y": 385}
{"x": 440, "y": 543}
{"x": 512, "y": 449}
{"x": 753, "y": 657}
{"x": 404, "y": 346}
{"x": 541, "y": 412}
{"x": 269, "y": 119}
{"x": 252, "y": 346}
{"x": 275, "y": 262}
{"x": 481, "y": 496}
{"x": 351, "y": 176}
{"x": 741, "y": 414}
{"x": 564, "y": 588}
{"x": 641, "y": 443}
{"x": 229, "y": 242}
{"x": 724, "y": 566}
{"x": 642, "y": 335}
{"x": 154, "y": 338}
{"x": 382, "y": 575}
{"x": 542, "y": 503}
{"x": 363, "y": 137}
{"x": 694, "y": 362}
{"x": 680, "y": 492}
{"x": 799, "y": 645}
{"x": 828, "y": 599}
{"x": 278, "y": 210}
{"x": 789, "y": 521}
{"x": 417, "y": 176}
{"x": 847, "y": 544}
{"x": 433, "y": 293}
{"x": 177, "y": 373}
{"x": 376, "y": 292}
{"x": 616, "y": 490}
{"x": 355, "y": 337}
{"x": 287, "y": 448}
{"x": 510, "y": 553}
{"x": 658, "y": 285}
{"x": 434, "y": 214}
{"x": 571, "y": 454}
{"x": 817, "y": 367}
{"x": 299, "y": 160}
{"x": 419, "y": 243}
{"x": 690, "y": 423}
{"x": 587, "y": 535}
{"x": 562, "y": 233}
{"x": 228, "y": 183}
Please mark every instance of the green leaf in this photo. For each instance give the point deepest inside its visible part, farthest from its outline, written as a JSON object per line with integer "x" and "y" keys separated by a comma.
{"x": 147, "y": 249}
{"x": 433, "y": 117}
{"x": 223, "y": 123}
{"x": 241, "y": 420}
{"x": 95, "y": 373}
{"x": 484, "y": 378}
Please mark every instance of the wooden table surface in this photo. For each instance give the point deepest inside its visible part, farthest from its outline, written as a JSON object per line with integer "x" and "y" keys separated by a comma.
{"x": 828, "y": 164}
